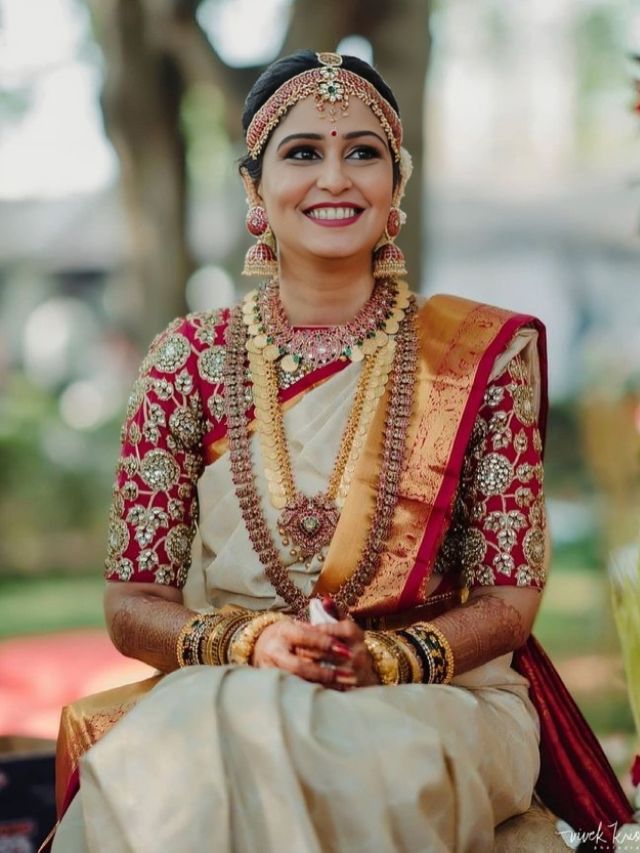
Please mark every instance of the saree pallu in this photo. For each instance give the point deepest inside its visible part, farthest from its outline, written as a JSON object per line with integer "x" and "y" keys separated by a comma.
{"x": 457, "y": 730}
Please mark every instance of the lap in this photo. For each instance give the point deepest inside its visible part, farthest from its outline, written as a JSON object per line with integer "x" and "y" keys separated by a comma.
{"x": 416, "y": 767}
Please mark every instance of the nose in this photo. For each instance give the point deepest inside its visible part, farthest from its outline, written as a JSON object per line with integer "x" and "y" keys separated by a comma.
{"x": 333, "y": 175}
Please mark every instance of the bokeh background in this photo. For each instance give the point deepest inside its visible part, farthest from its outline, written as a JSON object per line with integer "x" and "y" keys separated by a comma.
{"x": 120, "y": 207}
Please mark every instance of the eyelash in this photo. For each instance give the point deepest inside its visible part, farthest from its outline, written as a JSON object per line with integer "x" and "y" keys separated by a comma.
{"x": 369, "y": 151}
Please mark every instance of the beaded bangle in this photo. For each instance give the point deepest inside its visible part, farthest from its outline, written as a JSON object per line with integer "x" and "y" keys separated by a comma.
{"x": 442, "y": 648}
{"x": 188, "y": 644}
{"x": 417, "y": 671}
{"x": 384, "y": 661}
{"x": 183, "y": 637}
{"x": 194, "y": 642}
{"x": 215, "y": 647}
{"x": 422, "y": 650}
{"x": 433, "y": 650}
{"x": 244, "y": 641}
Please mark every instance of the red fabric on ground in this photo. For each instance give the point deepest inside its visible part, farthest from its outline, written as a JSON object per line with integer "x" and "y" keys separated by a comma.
{"x": 40, "y": 674}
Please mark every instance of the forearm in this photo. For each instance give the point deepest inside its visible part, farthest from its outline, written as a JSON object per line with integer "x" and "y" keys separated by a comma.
{"x": 494, "y": 622}
{"x": 485, "y": 628}
{"x": 146, "y": 627}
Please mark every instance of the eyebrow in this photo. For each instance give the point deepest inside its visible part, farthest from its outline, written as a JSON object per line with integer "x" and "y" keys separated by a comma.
{"x": 354, "y": 134}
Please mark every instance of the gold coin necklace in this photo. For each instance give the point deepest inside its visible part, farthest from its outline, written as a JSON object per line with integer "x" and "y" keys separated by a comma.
{"x": 397, "y": 411}
{"x": 307, "y": 524}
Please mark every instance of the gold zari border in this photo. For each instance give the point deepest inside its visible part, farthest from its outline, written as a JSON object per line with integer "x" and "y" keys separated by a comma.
{"x": 453, "y": 335}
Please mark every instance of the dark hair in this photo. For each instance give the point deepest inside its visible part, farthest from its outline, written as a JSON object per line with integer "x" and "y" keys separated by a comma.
{"x": 282, "y": 70}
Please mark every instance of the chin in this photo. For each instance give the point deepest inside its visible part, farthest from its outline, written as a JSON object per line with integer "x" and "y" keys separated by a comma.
{"x": 343, "y": 252}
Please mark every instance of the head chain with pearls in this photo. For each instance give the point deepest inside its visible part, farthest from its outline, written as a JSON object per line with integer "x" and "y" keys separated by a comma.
{"x": 331, "y": 86}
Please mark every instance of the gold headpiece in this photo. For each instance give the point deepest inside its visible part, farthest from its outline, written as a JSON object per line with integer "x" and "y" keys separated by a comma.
{"x": 331, "y": 86}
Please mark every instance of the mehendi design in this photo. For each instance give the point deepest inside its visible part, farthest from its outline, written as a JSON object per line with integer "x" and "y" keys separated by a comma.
{"x": 146, "y": 627}
{"x": 484, "y": 629}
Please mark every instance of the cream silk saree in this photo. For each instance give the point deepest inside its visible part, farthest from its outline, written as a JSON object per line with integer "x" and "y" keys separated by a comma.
{"x": 240, "y": 759}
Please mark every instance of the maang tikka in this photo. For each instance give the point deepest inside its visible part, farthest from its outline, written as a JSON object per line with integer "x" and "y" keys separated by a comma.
{"x": 261, "y": 259}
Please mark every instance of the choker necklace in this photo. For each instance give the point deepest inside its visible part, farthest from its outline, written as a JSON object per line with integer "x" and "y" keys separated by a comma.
{"x": 309, "y": 523}
{"x": 311, "y": 348}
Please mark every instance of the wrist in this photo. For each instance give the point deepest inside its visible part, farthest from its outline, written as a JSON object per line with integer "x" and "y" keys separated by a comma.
{"x": 385, "y": 663}
{"x": 190, "y": 638}
{"x": 245, "y": 639}
{"x": 433, "y": 651}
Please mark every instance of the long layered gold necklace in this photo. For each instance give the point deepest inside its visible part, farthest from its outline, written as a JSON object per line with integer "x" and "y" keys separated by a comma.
{"x": 307, "y": 524}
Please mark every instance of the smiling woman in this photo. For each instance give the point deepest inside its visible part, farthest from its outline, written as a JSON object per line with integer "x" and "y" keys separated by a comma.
{"x": 329, "y": 518}
{"x": 327, "y": 199}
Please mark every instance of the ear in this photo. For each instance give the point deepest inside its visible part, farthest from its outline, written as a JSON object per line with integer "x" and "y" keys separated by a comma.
{"x": 253, "y": 192}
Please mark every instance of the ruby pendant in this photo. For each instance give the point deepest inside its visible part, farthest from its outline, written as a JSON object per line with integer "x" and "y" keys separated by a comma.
{"x": 309, "y": 523}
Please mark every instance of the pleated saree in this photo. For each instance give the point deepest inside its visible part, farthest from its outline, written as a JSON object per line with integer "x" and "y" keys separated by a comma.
{"x": 242, "y": 759}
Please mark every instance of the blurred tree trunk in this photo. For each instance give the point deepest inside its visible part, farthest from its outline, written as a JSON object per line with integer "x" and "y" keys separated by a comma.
{"x": 141, "y": 102}
{"x": 154, "y": 50}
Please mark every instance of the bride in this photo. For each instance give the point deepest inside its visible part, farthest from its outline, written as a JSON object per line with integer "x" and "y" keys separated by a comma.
{"x": 328, "y": 528}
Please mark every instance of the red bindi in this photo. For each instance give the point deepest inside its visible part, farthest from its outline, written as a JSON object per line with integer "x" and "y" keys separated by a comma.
{"x": 334, "y": 133}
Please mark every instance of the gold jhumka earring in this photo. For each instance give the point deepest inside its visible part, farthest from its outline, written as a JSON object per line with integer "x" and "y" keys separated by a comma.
{"x": 388, "y": 259}
{"x": 261, "y": 259}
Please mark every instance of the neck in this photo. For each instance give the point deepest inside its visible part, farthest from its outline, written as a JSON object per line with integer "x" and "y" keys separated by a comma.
{"x": 329, "y": 294}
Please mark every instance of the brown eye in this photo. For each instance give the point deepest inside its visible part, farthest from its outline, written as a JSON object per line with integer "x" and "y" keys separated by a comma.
{"x": 364, "y": 152}
{"x": 302, "y": 152}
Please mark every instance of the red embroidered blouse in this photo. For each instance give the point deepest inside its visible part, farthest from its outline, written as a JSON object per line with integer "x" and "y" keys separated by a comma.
{"x": 497, "y": 530}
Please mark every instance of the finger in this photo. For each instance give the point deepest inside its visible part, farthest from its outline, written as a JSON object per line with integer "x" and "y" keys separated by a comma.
{"x": 347, "y": 631}
{"x": 309, "y": 670}
{"x": 346, "y": 680}
{"x": 338, "y": 654}
{"x": 299, "y": 635}
{"x": 342, "y": 683}
{"x": 310, "y": 654}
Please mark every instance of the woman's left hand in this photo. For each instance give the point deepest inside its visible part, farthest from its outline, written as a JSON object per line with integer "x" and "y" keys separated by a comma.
{"x": 348, "y": 632}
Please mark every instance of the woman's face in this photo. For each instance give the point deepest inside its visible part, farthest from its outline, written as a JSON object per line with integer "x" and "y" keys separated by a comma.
{"x": 327, "y": 187}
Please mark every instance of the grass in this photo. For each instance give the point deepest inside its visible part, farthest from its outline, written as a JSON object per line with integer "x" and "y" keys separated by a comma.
{"x": 43, "y": 605}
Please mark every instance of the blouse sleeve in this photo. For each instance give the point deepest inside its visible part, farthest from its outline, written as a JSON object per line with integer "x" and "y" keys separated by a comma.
{"x": 503, "y": 535}
{"x": 154, "y": 508}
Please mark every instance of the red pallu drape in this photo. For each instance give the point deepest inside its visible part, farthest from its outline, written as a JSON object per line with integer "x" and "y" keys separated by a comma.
{"x": 576, "y": 780}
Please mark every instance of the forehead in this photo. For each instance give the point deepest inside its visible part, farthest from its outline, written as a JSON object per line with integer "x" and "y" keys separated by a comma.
{"x": 305, "y": 117}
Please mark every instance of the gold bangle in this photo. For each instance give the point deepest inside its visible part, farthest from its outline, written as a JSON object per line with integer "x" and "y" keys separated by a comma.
{"x": 214, "y": 650}
{"x": 385, "y": 663}
{"x": 417, "y": 672}
{"x": 182, "y": 639}
{"x": 390, "y": 641}
{"x": 194, "y": 642}
{"x": 244, "y": 642}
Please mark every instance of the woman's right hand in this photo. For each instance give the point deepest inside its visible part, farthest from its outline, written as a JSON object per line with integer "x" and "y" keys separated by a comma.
{"x": 302, "y": 650}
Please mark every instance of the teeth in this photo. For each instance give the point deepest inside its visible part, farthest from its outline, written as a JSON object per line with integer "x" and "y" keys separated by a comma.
{"x": 332, "y": 212}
